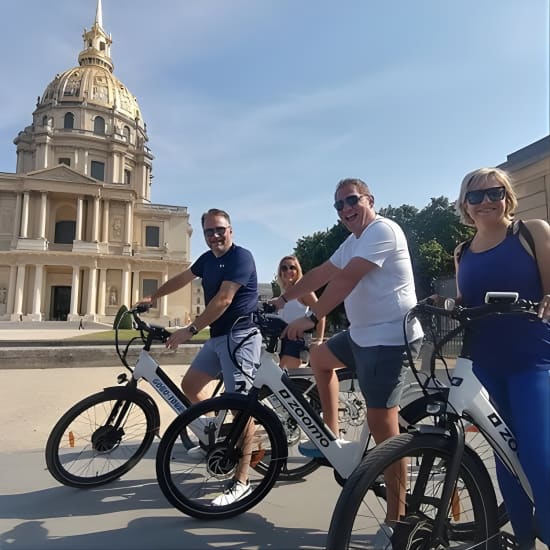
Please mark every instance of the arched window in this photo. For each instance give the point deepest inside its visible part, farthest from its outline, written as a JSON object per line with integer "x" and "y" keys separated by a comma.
{"x": 45, "y": 120}
{"x": 99, "y": 126}
{"x": 126, "y": 133}
{"x": 65, "y": 232}
{"x": 68, "y": 121}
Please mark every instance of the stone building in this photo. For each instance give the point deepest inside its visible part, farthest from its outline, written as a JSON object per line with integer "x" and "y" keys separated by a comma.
{"x": 530, "y": 170}
{"x": 79, "y": 235}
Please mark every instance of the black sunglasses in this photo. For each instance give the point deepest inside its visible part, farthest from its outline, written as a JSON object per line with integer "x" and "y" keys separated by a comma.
{"x": 494, "y": 193}
{"x": 211, "y": 231}
{"x": 350, "y": 200}
{"x": 287, "y": 267}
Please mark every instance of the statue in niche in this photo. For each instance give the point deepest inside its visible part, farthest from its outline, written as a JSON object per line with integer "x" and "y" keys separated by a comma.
{"x": 117, "y": 227}
{"x": 113, "y": 296}
{"x": 3, "y": 294}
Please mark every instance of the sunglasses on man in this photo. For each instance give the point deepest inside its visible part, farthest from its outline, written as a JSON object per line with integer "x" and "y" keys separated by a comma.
{"x": 211, "y": 231}
{"x": 350, "y": 200}
{"x": 493, "y": 193}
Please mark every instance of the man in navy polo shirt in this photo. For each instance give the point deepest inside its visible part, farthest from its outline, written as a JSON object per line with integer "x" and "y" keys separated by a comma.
{"x": 230, "y": 285}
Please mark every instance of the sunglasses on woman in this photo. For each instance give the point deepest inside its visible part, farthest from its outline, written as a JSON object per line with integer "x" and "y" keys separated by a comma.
{"x": 288, "y": 268}
{"x": 350, "y": 200}
{"x": 494, "y": 193}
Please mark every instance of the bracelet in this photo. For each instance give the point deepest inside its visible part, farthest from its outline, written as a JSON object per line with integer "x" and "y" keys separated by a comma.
{"x": 284, "y": 299}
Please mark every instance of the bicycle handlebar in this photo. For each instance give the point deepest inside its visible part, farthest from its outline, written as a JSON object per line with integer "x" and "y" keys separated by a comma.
{"x": 466, "y": 315}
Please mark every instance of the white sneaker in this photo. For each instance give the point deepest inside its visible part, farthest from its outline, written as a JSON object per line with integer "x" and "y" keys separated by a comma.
{"x": 382, "y": 539}
{"x": 233, "y": 493}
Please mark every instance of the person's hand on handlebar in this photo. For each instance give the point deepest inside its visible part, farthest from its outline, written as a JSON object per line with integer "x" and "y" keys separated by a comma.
{"x": 544, "y": 308}
{"x": 296, "y": 329}
{"x": 146, "y": 302}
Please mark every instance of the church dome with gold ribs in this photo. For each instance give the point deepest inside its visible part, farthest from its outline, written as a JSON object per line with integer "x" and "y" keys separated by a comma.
{"x": 88, "y": 120}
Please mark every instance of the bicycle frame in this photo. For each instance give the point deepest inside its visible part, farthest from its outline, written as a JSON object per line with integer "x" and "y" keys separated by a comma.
{"x": 343, "y": 458}
{"x": 469, "y": 398}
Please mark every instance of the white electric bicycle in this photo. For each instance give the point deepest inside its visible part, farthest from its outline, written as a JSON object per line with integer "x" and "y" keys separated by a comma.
{"x": 106, "y": 434}
{"x": 444, "y": 493}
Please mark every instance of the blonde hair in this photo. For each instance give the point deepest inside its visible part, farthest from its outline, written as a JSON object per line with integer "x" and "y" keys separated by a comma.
{"x": 478, "y": 177}
{"x": 298, "y": 270}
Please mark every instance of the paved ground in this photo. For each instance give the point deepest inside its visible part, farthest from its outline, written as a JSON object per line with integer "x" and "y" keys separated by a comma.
{"x": 51, "y": 330}
{"x": 37, "y": 513}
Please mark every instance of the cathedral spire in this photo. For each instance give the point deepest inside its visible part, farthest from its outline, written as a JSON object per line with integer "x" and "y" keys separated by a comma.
{"x": 99, "y": 15}
{"x": 97, "y": 44}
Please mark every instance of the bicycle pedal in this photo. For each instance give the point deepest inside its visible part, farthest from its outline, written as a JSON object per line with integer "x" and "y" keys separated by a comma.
{"x": 507, "y": 541}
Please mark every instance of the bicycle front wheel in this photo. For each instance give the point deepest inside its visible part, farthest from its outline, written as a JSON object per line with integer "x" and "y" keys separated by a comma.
{"x": 407, "y": 473}
{"x": 233, "y": 435}
{"x": 101, "y": 438}
{"x": 415, "y": 413}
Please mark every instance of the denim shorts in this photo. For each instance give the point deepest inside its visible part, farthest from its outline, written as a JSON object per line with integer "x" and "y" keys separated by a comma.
{"x": 292, "y": 348}
{"x": 380, "y": 369}
{"x": 214, "y": 358}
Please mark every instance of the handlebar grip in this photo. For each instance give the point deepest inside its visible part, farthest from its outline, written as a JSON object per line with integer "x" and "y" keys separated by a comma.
{"x": 142, "y": 308}
{"x": 268, "y": 308}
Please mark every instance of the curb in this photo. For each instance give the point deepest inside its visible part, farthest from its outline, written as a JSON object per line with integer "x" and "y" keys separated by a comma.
{"x": 43, "y": 357}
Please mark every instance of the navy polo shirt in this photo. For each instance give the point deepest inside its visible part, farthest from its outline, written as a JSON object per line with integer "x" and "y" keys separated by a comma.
{"x": 236, "y": 265}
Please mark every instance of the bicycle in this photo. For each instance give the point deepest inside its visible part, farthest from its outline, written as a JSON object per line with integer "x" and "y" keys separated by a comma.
{"x": 105, "y": 435}
{"x": 447, "y": 496}
{"x": 190, "y": 485}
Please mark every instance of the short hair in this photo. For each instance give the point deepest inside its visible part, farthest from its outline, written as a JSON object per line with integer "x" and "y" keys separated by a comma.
{"x": 215, "y": 212}
{"x": 360, "y": 185}
{"x": 478, "y": 177}
{"x": 298, "y": 270}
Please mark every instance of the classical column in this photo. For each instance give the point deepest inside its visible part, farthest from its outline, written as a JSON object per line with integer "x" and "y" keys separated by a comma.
{"x": 95, "y": 221}
{"x": 42, "y": 217}
{"x": 135, "y": 287}
{"x": 11, "y": 289}
{"x": 37, "y": 295}
{"x": 164, "y": 299}
{"x": 92, "y": 291}
{"x": 25, "y": 215}
{"x": 105, "y": 238}
{"x": 19, "y": 290}
{"x": 102, "y": 291}
{"x": 75, "y": 291}
{"x": 128, "y": 233}
{"x": 79, "y": 211}
{"x": 125, "y": 292}
{"x": 17, "y": 221}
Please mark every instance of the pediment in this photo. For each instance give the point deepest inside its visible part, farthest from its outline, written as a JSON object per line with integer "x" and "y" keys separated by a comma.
{"x": 60, "y": 173}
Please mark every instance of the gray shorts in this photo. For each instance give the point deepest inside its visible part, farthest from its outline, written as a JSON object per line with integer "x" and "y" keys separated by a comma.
{"x": 380, "y": 369}
{"x": 214, "y": 358}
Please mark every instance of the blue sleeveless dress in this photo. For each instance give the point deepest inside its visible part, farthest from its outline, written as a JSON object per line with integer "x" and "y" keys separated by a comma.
{"x": 511, "y": 357}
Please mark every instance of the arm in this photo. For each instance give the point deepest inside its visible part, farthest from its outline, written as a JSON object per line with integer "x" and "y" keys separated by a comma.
{"x": 458, "y": 298}
{"x": 214, "y": 310}
{"x": 309, "y": 300}
{"x": 338, "y": 288}
{"x": 540, "y": 230}
{"x": 171, "y": 285}
{"x": 310, "y": 282}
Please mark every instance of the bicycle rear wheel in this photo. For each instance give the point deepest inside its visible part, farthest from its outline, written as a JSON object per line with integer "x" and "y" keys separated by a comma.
{"x": 101, "y": 438}
{"x": 192, "y": 481}
{"x": 415, "y": 413}
{"x": 421, "y": 461}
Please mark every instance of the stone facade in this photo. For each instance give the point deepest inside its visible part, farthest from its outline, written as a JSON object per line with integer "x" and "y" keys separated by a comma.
{"x": 530, "y": 170}
{"x": 79, "y": 236}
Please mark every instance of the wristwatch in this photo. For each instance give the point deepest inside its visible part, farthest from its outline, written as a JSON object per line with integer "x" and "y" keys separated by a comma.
{"x": 193, "y": 329}
{"x": 313, "y": 318}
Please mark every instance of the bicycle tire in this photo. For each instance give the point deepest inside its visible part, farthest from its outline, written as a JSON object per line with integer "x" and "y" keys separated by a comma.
{"x": 84, "y": 451}
{"x": 415, "y": 413}
{"x": 190, "y": 483}
{"x": 361, "y": 507}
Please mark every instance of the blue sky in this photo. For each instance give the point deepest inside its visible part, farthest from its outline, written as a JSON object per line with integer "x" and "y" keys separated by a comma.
{"x": 259, "y": 107}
